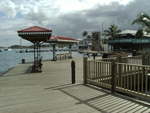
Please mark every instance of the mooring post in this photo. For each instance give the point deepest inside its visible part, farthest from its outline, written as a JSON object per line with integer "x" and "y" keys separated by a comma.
{"x": 113, "y": 80}
{"x": 73, "y": 71}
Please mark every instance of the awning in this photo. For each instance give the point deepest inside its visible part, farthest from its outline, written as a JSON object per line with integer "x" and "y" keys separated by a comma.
{"x": 62, "y": 39}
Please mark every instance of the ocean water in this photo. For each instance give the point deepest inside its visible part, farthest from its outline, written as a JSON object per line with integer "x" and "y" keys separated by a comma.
{"x": 9, "y": 59}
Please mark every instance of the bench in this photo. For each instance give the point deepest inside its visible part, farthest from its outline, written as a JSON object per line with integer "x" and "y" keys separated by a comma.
{"x": 68, "y": 55}
{"x": 60, "y": 56}
{"x": 37, "y": 66}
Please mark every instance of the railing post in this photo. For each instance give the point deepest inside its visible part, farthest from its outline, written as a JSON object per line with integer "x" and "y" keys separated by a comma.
{"x": 113, "y": 70}
{"x": 143, "y": 59}
{"x": 119, "y": 58}
{"x": 119, "y": 70}
{"x": 84, "y": 70}
{"x": 143, "y": 69}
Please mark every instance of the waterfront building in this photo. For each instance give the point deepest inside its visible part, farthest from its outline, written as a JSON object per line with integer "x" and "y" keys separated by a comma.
{"x": 127, "y": 41}
{"x": 83, "y": 44}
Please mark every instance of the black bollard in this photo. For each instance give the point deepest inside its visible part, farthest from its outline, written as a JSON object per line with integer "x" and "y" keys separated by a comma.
{"x": 73, "y": 71}
{"x": 23, "y": 61}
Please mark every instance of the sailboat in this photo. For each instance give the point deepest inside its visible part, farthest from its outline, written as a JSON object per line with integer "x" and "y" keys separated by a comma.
{"x": 20, "y": 50}
{"x": 7, "y": 49}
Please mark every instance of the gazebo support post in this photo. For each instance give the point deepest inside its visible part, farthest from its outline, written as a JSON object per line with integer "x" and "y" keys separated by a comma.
{"x": 34, "y": 51}
{"x": 70, "y": 50}
{"x": 54, "y": 52}
{"x": 36, "y": 67}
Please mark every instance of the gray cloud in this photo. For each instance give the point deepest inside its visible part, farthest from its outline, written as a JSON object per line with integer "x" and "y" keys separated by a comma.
{"x": 73, "y": 23}
{"x": 92, "y": 19}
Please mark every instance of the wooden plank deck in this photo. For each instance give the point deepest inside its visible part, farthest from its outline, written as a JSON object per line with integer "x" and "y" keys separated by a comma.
{"x": 51, "y": 91}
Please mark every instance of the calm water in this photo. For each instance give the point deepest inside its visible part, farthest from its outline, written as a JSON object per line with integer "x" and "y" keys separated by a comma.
{"x": 9, "y": 59}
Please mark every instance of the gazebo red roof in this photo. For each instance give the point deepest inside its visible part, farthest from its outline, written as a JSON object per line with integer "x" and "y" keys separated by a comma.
{"x": 35, "y": 29}
{"x": 35, "y": 33}
{"x": 62, "y": 39}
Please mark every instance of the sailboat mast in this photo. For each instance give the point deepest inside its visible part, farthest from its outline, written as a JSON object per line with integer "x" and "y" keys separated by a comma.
{"x": 7, "y": 42}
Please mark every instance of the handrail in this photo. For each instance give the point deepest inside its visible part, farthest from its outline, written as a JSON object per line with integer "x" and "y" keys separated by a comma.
{"x": 133, "y": 65}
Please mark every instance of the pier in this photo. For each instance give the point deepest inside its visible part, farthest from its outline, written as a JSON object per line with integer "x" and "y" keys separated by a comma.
{"x": 51, "y": 91}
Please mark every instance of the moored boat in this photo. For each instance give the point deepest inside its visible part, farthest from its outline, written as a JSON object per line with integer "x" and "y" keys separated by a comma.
{"x": 7, "y": 49}
{"x": 1, "y": 49}
{"x": 20, "y": 51}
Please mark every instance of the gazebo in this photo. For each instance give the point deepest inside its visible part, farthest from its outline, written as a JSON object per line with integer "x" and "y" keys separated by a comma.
{"x": 37, "y": 35}
{"x": 61, "y": 39}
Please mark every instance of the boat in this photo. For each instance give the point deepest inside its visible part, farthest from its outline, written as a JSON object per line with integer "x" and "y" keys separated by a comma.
{"x": 7, "y": 49}
{"x": 1, "y": 49}
{"x": 20, "y": 51}
{"x": 27, "y": 50}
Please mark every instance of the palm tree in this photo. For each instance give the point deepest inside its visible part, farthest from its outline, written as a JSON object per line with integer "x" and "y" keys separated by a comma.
{"x": 89, "y": 37}
{"x": 143, "y": 19}
{"x": 112, "y": 31}
{"x": 139, "y": 33}
{"x": 85, "y": 33}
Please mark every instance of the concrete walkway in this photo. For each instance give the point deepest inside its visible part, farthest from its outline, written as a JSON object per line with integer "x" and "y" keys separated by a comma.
{"x": 52, "y": 92}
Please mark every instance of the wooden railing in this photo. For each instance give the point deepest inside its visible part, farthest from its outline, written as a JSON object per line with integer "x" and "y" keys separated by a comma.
{"x": 127, "y": 78}
{"x": 133, "y": 79}
{"x": 141, "y": 59}
{"x": 99, "y": 72}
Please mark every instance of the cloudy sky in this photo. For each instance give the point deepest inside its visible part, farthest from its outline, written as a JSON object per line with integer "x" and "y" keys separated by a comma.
{"x": 66, "y": 17}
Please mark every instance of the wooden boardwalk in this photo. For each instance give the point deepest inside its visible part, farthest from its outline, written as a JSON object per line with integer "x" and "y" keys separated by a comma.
{"x": 52, "y": 92}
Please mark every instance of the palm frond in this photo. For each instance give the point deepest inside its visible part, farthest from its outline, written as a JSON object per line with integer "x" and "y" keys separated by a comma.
{"x": 85, "y": 33}
{"x": 143, "y": 19}
{"x": 112, "y": 30}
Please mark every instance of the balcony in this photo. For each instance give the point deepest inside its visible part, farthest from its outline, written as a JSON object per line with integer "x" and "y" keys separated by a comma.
{"x": 134, "y": 41}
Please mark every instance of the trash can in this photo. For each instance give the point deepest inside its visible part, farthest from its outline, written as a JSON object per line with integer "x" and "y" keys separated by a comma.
{"x": 134, "y": 53}
{"x": 23, "y": 61}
